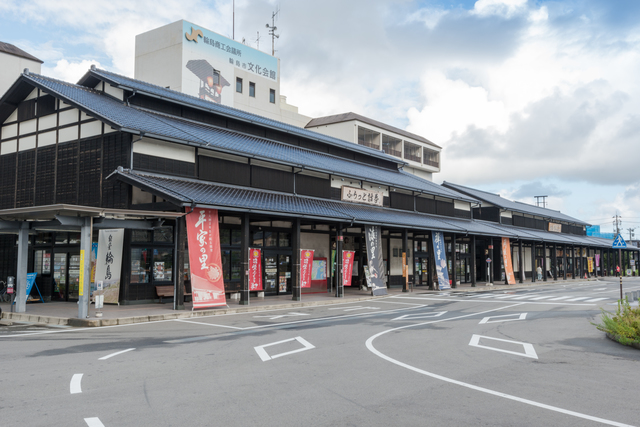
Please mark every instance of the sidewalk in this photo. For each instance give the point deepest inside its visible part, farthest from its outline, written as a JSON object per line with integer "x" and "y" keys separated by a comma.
{"x": 65, "y": 313}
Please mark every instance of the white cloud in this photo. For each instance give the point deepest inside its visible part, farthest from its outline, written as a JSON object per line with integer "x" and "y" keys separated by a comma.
{"x": 504, "y": 8}
{"x": 69, "y": 71}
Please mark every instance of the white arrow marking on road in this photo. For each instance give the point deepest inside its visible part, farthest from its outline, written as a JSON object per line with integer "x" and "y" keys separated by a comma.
{"x": 115, "y": 354}
{"x": 93, "y": 422}
{"x": 265, "y": 356}
{"x": 74, "y": 386}
{"x": 279, "y": 316}
{"x": 420, "y": 316}
{"x": 486, "y": 319}
{"x": 529, "y": 351}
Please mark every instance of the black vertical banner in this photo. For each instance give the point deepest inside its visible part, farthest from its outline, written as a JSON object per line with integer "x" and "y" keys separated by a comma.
{"x": 375, "y": 260}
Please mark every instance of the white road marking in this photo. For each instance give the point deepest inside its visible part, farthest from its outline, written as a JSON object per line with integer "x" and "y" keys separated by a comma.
{"x": 207, "y": 324}
{"x": 93, "y": 422}
{"x": 265, "y": 356}
{"x": 357, "y": 307}
{"x": 372, "y": 349}
{"x": 578, "y": 299}
{"x": 522, "y": 316}
{"x": 493, "y": 301}
{"x": 542, "y": 297}
{"x": 75, "y": 385}
{"x": 559, "y": 298}
{"x": 529, "y": 351}
{"x": 596, "y": 299}
{"x": 420, "y": 316}
{"x": 280, "y": 316}
{"x": 525, "y": 296}
{"x": 115, "y": 354}
{"x": 506, "y": 296}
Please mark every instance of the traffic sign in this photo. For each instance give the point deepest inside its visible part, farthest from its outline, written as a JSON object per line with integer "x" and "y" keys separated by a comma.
{"x": 619, "y": 243}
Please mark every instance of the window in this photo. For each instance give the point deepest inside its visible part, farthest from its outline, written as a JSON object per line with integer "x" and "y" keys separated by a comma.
{"x": 252, "y": 89}
{"x": 431, "y": 158}
{"x": 368, "y": 138}
{"x": 238, "y": 85}
{"x": 412, "y": 152}
{"x": 392, "y": 145}
{"x": 272, "y": 96}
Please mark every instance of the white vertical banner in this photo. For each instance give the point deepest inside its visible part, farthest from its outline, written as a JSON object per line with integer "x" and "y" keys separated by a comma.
{"x": 109, "y": 263}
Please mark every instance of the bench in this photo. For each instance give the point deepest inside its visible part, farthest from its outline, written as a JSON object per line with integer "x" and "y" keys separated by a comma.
{"x": 167, "y": 291}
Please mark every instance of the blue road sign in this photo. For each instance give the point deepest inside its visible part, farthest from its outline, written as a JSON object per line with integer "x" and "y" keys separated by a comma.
{"x": 619, "y": 243}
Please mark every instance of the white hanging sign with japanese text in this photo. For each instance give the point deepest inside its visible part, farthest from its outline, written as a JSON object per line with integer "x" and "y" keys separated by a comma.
{"x": 109, "y": 263}
{"x": 359, "y": 195}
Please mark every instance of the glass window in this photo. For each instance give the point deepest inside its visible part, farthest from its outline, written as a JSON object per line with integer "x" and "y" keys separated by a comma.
{"x": 284, "y": 240}
{"x": 431, "y": 158}
{"x": 257, "y": 239}
{"x": 225, "y": 236}
{"x": 62, "y": 238}
{"x": 252, "y": 89}
{"x": 226, "y": 265}
{"x": 392, "y": 146}
{"x": 163, "y": 235}
{"x": 238, "y": 85}
{"x": 270, "y": 238}
{"x": 163, "y": 265}
{"x": 272, "y": 96}
{"x": 140, "y": 236}
{"x": 43, "y": 238}
{"x": 368, "y": 138}
{"x": 236, "y": 237}
{"x": 412, "y": 152}
{"x": 140, "y": 263}
{"x": 43, "y": 262}
{"x": 236, "y": 264}
{"x": 74, "y": 238}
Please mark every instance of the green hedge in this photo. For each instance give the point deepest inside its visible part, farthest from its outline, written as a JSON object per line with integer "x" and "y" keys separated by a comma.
{"x": 623, "y": 325}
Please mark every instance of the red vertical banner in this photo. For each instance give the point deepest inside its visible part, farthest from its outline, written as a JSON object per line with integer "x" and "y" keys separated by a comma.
{"x": 506, "y": 259}
{"x": 347, "y": 267}
{"x": 255, "y": 269}
{"x": 205, "y": 262}
{"x": 306, "y": 266}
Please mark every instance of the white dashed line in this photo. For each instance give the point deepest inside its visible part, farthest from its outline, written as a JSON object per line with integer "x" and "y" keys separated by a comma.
{"x": 115, "y": 354}
{"x": 74, "y": 386}
{"x": 93, "y": 422}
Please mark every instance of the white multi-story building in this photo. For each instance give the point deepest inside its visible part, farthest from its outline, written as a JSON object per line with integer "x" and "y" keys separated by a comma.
{"x": 421, "y": 155}
{"x": 14, "y": 60}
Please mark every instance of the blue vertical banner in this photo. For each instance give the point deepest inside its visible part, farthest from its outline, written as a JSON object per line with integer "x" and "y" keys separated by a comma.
{"x": 441, "y": 260}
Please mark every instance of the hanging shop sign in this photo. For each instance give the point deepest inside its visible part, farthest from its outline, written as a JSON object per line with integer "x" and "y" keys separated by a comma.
{"x": 441, "y": 260}
{"x": 506, "y": 257}
{"x": 347, "y": 267}
{"x": 590, "y": 264}
{"x": 556, "y": 228}
{"x": 205, "y": 262}
{"x": 255, "y": 269}
{"x": 375, "y": 261}
{"x": 597, "y": 260}
{"x": 306, "y": 267}
{"x": 109, "y": 263}
{"x": 359, "y": 195}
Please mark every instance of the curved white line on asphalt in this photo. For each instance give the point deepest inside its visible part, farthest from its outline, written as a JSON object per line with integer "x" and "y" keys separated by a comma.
{"x": 372, "y": 349}
{"x": 115, "y": 354}
{"x": 93, "y": 422}
{"x": 74, "y": 386}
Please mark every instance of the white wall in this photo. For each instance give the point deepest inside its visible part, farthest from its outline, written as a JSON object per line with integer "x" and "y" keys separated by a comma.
{"x": 11, "y": 67}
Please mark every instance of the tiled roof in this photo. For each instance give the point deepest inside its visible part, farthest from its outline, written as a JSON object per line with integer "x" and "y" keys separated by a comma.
{"x": 185, "y": 191}
{"x": 497, "y": 200}
{"x": 181, "y": 98}
{"x": 162, "y": 126}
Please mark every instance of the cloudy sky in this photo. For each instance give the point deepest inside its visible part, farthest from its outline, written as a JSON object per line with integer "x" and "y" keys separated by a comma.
{"x": 526, "y": 97}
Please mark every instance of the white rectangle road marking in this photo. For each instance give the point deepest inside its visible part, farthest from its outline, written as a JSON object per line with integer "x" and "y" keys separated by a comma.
{"x": 529, "y": 351}
{"x": 506, "y": 296}
{"x": 75, "y": 386}
{"x": 559, "y": 298}
{"x": 577, "y": 299}
{"x": 265, "y": 356}
{"x": 93, "y": 422}
{"x": 596, "y": 299}
{"x": 542, "y": 297}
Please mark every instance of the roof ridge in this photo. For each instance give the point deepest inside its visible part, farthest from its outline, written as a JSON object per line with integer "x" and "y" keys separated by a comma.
{"x": 473, "y": 189}
{"x": 63, "y": 82}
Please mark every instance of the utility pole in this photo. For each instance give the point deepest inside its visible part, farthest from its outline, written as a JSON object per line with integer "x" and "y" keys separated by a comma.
{"x": 272, "y": 31}
{"x": 631, "y": 235}
{"x": 617, "y": 223}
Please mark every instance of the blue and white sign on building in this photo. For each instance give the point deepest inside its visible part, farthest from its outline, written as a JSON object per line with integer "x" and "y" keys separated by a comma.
{"x": 441, "y": 260}
{"x": 619, "y": 243}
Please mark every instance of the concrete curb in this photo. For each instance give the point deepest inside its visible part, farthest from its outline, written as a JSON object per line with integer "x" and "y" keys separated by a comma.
{"x": 172, "y": 315}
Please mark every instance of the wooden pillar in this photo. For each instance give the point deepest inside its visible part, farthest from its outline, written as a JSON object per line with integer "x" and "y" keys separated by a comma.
{"x": 180, "y": 233}
{"x": 521, "y": 261}
{"x": 533, "y": 262}
{"x": 295, "y": 270}
{"x": 573, "y": 262}
{"x": 244, "y": 256}
{"x": 564, "y": 261}
{"x": 431, "y": 264}
{"x": 473, "y": 261}
{"x": 405, "y": 257}
{"x": 580, "y": 263}
{"x": 339, "y": 244}
{"x": 555, "y": 261}
{"x": 544, "y": 261}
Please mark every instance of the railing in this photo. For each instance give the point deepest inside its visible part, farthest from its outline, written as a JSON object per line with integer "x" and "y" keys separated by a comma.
{"x": 368, "y": 144}
{"x": 392, "y": 152}
{"x": 433, "y": 163}
{"x": 412, "y": 157}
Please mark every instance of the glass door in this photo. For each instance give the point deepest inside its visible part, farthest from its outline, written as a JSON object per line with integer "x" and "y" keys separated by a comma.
{"x": 59, "y": 277}
{"x": 270, "y": 274}
{"x": 74, "y": 277}
{"x": 284, "y": 274}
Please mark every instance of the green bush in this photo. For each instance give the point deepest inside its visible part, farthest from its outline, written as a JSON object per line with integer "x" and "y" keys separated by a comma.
{"x": 624, "y": 325}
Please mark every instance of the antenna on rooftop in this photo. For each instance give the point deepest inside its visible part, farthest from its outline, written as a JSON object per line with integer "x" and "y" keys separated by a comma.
{"x": 257, "y": 40}
{"x": 272, "y": 30}
{"x": 541, "y": 201}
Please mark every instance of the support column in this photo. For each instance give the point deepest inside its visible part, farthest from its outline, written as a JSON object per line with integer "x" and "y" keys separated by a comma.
{"x": 573, "y": 262}
{"x": 295, "y": 270}
{"x": 564, "y": 262}
{"x": 178, "y": 276}
{"x": 581, "y": 263}
{"x": 340, "y": 281}
{"x": 23, "y": 260}
{"x": 492, "y": 257}
{"x": 473, "y": 261}
{"x": 533, "y": 262}
{"x": 521, "y": 261}
{"x": 555, "y": 261}
{"x": 405, "y": 244}
{"x": 454, "y": 260}
{"x": 85, "y": 268}
{"x": 544, "y": 261}
{"x": 245, "y": 295}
